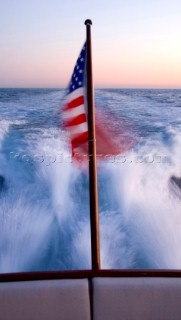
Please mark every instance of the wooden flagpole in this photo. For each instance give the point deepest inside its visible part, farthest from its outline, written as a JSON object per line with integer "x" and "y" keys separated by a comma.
{"x": 93, "y": 189}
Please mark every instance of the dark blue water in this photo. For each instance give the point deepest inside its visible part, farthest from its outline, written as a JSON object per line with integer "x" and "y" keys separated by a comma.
{"x": 44, "y": 210}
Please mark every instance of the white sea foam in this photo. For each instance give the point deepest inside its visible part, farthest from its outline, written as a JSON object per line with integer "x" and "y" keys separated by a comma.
{"x": 82, "y": 245}
{"x": 147, "y": 219}
{"x": 114, "y": 250}
{"x": 5, "y": 125}
{"x": 25, "y": 234}
{"x": 45, "y": 210}
{"x": 151, "y": 214}
{"x": 56, "y": 171}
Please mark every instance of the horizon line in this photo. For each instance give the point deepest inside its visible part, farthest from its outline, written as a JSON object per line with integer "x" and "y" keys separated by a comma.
{"x": 96, "y": 88}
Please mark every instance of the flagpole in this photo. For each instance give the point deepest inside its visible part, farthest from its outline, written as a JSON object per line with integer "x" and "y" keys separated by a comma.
{"x": 93, "y": 189}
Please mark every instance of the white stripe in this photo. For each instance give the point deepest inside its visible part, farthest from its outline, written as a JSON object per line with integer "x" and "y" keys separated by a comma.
{"x": 73, "y": 112}
{"x": 79, "y": 128}
{"x": 75, "y": 94}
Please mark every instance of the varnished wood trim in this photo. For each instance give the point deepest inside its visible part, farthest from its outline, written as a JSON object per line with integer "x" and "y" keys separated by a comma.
{"x": 89, "y": 274}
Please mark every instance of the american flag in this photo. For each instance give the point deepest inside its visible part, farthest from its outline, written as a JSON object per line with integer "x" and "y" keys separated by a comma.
{"x": 108, "y": 141}
{"x": 74, "y": 111}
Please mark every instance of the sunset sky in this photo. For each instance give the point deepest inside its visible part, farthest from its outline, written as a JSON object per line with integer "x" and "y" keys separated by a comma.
{"x": 136, "y": 43}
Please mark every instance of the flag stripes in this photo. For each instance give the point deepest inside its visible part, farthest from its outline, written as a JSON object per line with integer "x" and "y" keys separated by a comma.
{"x": 75, "y": 119}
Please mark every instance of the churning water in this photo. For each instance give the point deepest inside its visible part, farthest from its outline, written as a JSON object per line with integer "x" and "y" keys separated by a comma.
{"x": 44, "y": 199}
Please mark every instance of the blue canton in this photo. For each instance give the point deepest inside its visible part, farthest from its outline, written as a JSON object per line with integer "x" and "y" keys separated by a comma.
{"x": 77, "y": 80}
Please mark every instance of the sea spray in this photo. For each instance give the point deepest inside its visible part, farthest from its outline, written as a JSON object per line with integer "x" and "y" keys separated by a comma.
{"x": 44, "y": 211}
{"x": 25, "y": 234}
{"x": 151, "y": 215}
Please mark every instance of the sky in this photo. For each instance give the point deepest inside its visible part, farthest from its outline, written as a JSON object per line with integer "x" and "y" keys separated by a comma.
{"x": 135, "y": 43}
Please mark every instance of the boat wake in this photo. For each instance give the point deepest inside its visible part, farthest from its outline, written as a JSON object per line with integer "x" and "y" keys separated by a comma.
{"x": 44, "y": 212}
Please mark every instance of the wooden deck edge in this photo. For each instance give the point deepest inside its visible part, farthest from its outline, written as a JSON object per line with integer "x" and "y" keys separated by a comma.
{"x": 83, "y": 274}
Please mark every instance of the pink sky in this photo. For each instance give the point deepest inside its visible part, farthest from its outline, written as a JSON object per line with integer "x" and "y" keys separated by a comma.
{"x": 134, "y": 44}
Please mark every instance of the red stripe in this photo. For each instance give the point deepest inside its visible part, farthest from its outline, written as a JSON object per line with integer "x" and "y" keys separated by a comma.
{"x": 75, "y": 121}
{"x": 81, "y": 138}
{"x": 74, "y": 103}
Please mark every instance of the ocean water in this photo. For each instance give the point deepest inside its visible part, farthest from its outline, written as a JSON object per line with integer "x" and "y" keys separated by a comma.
{"x": 44, "y": 198}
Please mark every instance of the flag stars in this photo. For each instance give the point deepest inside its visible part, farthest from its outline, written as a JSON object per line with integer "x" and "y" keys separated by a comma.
{"x": 77, "y": 80}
